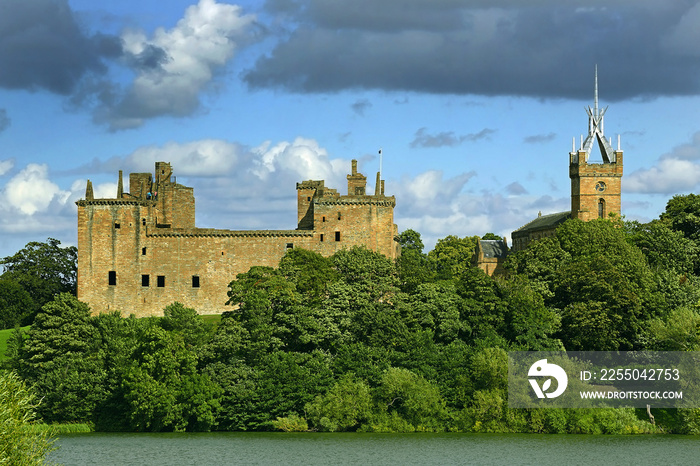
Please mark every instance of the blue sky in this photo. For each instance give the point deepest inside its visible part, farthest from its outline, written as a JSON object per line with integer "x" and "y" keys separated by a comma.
{"x": 474, "y": 103}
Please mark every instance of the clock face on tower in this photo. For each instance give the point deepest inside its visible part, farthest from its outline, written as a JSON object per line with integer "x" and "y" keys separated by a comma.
{"x": 600, "y": 186}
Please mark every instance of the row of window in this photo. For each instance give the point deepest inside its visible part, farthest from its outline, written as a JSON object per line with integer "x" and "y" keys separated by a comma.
{"x": 323, "y": 219}
{"x": 119, "y": 225}
{"x": 146, "y": 280}
{"x": 337, "y": 236}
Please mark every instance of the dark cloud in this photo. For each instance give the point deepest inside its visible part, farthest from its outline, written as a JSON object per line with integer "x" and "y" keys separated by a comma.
{"x": 515, "y": 189}
{"x": 541, "y": 48}
{"x": 447, "y": 138}
{"x": 361, "y": 106}
{"x": 151, "y": 57}
{"x": 43, "y": 47}
{"x": 689, "y": 151}
{"x": 4, "y": 120}
{"x": 483, "y": 134}
{"x": 539, "y": 138}
{"x": 173, "y": 67}
{"x": 423, "y": 139}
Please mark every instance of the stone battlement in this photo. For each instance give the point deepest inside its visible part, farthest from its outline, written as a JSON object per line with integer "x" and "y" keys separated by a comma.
{"x": 141, "y": 250}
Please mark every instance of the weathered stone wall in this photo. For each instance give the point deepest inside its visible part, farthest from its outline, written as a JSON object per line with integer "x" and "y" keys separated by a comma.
{"x": 155, "y": 255}
{"x": 585, "y": 197}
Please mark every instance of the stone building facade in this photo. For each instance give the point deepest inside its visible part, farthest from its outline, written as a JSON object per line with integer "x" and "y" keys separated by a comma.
{"x": 490, "y": 254}
{"x": 596, "y": 188}
{"x": 140, "y": 251}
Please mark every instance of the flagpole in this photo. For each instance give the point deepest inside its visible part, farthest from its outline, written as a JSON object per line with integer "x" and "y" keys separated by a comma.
{"x": 380, "y": 163}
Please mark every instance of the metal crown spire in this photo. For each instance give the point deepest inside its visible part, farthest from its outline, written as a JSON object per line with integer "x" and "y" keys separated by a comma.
{"x": 596, "y": 127}
{"x": 595, "y": 93}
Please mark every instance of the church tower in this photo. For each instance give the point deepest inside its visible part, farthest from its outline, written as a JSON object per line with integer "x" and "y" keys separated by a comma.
{"x": 595, "y": 187}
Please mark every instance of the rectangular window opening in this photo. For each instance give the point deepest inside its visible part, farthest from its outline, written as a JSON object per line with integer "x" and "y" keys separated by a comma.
{"x": 337, "y": 236}
{"x": 161, "y": 281}
{"x": 290, "y": 245}
{"x": 195, "y": 281}
{"x": 143, "y": 221}
{"x": 145, "y": 280}
{"x": 117, "y": 225}
{"x": 321, "y": 237}
{"x": 112, "y": 278}
{"x": 143, "y": 251}
{"x": 324, "y": 219}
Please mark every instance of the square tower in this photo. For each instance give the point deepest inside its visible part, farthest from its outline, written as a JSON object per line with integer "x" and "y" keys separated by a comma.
{"x": 596, "y": 188}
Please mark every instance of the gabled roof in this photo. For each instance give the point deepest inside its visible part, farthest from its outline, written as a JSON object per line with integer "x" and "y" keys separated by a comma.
{"x": 544, "y": 222}
{"x": 494, "y": 248}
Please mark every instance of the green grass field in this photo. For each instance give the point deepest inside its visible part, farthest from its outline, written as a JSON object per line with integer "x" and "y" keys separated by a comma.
{"x": 4, "y": 336}
{"x": 211, "y": 318}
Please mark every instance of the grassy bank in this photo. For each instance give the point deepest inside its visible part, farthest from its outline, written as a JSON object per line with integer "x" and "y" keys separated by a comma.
{"x": 59, "y": 429}
{"x": 212, "y": 319}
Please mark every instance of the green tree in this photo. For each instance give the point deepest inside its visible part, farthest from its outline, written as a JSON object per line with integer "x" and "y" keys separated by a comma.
{"x": 16, "y": 304}
{"x": 491, "y": 236}
{"x": 345, "y": 407}
{"x": 163, "y": 389}
{"x": 413, "y": 266}
{"x": 602, "y": 308}
{"x": 60, "y": 358}
{"x": 367, "y": 271}
{"x": 310, "y": 272}
{"x": 118, "y": 337}
{"x": 664, "y": 247}
{"x": 224, "y": 359}
{"x": 597, "y": 280}
{"x": 366, "y": 362}
{"x": 287, "y": 381}
{"x": 437, "y": 308}
{"x": 413, "y": 399}
{"x": 186, "y": 322}
{"x": 683, "y": 214}
{"x": 482, "y": 310}
{"x": 452, "y": 255}
{"x": 540, "y": 263}
{"x": 18, "y": 444}
{"x": 679, "y": 331}
{"x": 264, "y": 298}
{"x": 44, "y": 270}
{"x": 529, "y": 324}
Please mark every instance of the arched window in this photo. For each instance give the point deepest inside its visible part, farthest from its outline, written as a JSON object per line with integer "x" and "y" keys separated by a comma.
{"x": 601, "y": 208}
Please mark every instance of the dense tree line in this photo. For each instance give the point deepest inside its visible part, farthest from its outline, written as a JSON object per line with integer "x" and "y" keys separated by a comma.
{"x": 358, "y": 342}
{"x": 32, "y": 277}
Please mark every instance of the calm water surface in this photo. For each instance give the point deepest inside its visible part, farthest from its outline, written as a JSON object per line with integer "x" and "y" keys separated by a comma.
{"x": 380, "y": 449}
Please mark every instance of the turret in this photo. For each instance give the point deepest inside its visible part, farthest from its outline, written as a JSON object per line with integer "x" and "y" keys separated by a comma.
{"x": 357, "y": 182}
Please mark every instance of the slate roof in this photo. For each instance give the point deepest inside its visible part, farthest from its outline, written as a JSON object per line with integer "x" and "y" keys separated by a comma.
{"x": 545, "y": 222}
{"x": 494, "y": 248}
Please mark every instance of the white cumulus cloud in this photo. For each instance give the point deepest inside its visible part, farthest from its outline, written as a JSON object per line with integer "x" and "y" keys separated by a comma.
{"x": 206, "y": 157}
{"x": 31, "y": 191}
{"x": 303, "y": 157}
{"x": 668, "y": 176}
{"x": 174, "y": 66}
{"x": 6, "y": 166}
{"x": 674, "y": 172}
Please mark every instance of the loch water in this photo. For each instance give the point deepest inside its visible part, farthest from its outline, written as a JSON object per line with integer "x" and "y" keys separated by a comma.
{"x": 373, "y": 449}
